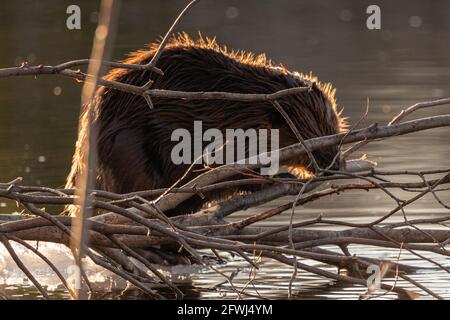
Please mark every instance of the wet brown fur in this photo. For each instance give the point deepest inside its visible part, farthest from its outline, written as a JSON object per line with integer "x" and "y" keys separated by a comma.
{"x": 134, "y": 143}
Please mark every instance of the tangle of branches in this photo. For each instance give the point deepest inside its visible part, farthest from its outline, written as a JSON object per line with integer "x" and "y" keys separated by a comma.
{"x": 132, "y": 235}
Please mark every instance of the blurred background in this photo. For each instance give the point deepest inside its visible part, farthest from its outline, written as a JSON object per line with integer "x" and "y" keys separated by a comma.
{"x": 405, "y": 62}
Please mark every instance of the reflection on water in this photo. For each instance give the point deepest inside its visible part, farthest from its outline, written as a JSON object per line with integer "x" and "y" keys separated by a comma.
{"x": 271, "y": 281}
{"x": 403, "y": 63}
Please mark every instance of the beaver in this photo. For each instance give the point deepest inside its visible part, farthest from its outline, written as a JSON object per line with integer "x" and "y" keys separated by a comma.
{"x": 134, "y": 141}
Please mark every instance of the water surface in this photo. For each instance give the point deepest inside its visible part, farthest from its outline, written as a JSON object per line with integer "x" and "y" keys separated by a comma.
{"x": 405, "y": 62}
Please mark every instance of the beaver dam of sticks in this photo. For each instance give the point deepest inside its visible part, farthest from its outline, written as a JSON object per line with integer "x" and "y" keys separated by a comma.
{"x": 133, "y": 238}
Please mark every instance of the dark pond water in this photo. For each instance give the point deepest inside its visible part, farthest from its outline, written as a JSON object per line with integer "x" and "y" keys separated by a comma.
{"x": 405, "y": 62}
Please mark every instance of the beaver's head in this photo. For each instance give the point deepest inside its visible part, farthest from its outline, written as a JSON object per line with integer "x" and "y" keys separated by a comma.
{"x": 314, "y": 113}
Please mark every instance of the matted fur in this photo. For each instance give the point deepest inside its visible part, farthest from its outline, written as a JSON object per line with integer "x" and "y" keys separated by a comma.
{"x": 134, "y": 144}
